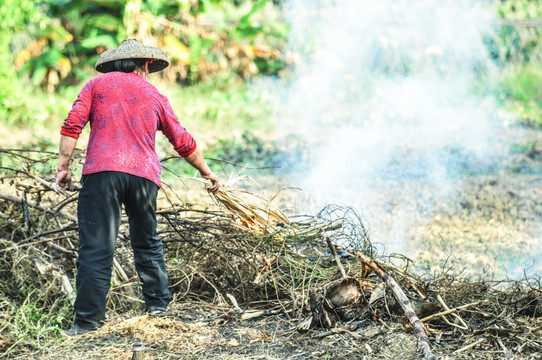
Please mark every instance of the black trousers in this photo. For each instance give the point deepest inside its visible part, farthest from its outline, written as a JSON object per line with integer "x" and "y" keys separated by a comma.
{"x": 99, "y": 214}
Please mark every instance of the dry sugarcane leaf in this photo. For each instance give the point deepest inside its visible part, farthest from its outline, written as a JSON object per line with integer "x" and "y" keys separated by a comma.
{"x": 251, "y": 210}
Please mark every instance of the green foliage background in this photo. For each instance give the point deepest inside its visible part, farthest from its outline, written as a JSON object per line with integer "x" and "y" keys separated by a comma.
{"x": 517, "y": 50}
{"x": 14, "y": 18}
{"x": 48, "y": 49}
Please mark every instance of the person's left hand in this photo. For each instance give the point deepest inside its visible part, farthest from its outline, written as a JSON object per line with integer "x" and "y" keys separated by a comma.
{"x": 63, "y": 181}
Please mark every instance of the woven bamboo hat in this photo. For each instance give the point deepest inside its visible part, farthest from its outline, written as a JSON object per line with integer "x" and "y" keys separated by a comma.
{"x": 132, "y": 49}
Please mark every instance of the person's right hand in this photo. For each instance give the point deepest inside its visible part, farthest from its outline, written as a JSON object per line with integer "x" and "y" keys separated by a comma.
{"x": 63, "y": 181}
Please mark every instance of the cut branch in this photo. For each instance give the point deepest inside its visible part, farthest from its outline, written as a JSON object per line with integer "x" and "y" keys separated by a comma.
{"x": 454, "y": 310}
{"x": 419, "y": 331}
{"x": 35, "y": 205}
{"x": 337, "y": 260}
{"x": 19, "y": 246}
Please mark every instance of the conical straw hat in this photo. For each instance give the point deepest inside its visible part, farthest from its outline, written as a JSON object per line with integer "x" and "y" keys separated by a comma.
{"x": 132, "y": 49}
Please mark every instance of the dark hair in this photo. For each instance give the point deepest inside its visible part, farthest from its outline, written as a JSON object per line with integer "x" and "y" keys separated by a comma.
{"x": 128, "y": 65}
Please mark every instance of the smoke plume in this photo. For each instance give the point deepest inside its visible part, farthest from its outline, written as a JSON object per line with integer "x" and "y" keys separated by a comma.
{"x": 384, "y": 94}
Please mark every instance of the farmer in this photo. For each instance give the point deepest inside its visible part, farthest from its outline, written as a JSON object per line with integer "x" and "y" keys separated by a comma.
{"x": 121, "y": 168}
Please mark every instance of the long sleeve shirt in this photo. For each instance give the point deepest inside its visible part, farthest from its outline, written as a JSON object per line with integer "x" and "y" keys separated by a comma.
{"x": 125, "y": 112}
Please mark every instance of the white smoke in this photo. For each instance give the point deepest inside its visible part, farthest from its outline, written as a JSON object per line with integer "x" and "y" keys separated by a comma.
{"x": 383, "y": 91}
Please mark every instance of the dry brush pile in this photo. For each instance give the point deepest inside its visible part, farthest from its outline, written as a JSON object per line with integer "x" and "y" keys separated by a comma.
{"x": 318, "y": 273}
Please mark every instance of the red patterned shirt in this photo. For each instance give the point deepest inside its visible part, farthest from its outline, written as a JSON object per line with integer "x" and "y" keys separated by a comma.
{"x": 125, "y": 112}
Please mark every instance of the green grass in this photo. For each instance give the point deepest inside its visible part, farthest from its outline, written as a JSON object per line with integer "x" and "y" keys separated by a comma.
{"x": 520, "y": 90}
{"x": 32, "y": 305}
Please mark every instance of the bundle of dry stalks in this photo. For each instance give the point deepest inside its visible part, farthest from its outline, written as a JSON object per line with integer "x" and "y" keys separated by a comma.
{"x": 251, "y": 210}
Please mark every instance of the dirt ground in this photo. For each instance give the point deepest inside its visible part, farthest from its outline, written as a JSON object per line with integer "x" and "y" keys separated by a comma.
{"x": 489, "y": 229}
{"x": 202, "y": 330}
{"x": 206, "y": 331}
{"x": 491, "y": 225}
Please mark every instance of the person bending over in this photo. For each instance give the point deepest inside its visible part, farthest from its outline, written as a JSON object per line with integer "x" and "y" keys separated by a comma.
{"x": 121, "y": 168}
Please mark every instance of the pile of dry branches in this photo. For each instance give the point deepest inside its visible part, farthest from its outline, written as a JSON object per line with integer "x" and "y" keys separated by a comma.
{"x": 321, "y": 270}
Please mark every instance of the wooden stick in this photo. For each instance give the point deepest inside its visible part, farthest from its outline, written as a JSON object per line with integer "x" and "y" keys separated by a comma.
{"x": 49, "y": 232}
{"x": 471, "y": 345}
{"x": 234, "y": 302}
{"x": 423, "y": 342}
{"x": 463, "y": 325}
{"x": 62, "y": 248}
{"x": 17, "y": 246}
{"x": 138, "y": 352}
{"x": 319, "y": 229}
{"x": 33, "y": 204}
{"x": 463, "y": 307}
{"x": 47, "y": 184}
{"x": 66, "y": 286}
{"x": 337, "y": 260}
{"x": 124, "y": 277}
